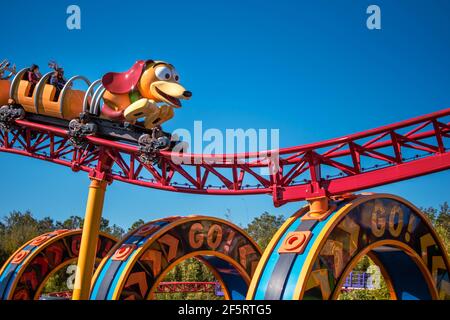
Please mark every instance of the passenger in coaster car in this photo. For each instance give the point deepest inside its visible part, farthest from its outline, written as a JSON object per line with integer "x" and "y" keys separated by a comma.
{"x": 57, "y": 78}
{"x": 134, "y": 95}
{"x": 33, "y": 76}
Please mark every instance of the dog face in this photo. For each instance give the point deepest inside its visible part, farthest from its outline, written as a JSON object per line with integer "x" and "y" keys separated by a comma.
{"x": 159, "y": 82}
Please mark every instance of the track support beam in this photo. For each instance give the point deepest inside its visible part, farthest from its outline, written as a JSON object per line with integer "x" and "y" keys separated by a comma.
{"x": 318, "y": 206}
{"x": 89, "y": 239}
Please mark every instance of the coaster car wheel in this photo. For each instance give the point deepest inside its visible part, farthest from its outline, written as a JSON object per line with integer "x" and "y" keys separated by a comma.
{"x": 149, "y": 145}
{"x": 10, "y": 113}
{"x": 78, "y": 130}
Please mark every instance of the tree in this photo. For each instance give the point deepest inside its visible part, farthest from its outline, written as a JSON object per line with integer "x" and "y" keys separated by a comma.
{"x": 430, "y": 212}
{"x": 441, "y": 222}
{"x": 442, "y": 225}
{"x": 136, "y": 225}
{"x": 263, "y": 228}
{"x": 363, "y": 264}
{"x": 76, "y": 222}
{"x": 18, "y": 228}
{"x": 116, "y": 231}
{"x": 113, "y": 230}
{"x": 443, "y": 218}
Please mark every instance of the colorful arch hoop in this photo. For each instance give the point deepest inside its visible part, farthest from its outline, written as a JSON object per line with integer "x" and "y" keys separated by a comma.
{"x": 135, "y": 266}
{"x": 310, "y": 256}
{"x": 25, "y": 273}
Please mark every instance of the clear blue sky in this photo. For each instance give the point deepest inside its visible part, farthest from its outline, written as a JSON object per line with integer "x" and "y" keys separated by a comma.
{"x": 309, "y": 68}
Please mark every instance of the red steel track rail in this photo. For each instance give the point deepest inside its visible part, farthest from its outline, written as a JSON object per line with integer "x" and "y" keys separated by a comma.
{"x": 391, "y": 153}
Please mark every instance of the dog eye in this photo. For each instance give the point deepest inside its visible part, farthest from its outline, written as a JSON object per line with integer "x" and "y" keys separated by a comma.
{"x": 163, "y": 73}
{"x": 175, "y": 76}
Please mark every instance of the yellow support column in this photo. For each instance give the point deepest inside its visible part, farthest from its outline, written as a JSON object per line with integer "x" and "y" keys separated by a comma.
{"x": 89, "y": 238}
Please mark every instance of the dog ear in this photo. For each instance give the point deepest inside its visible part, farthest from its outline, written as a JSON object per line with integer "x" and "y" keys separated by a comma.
{"x": 124, "y": 82}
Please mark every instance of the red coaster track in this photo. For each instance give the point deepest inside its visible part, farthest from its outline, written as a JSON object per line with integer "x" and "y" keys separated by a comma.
{"x": 375, "y": 157}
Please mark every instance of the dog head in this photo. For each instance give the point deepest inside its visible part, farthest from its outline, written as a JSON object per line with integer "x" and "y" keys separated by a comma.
{"x": 155, "y": 80}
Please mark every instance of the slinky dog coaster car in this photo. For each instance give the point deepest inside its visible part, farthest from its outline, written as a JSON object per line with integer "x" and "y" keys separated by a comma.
{"x": 128, "y": 106}
{"x": 134, "y": 94}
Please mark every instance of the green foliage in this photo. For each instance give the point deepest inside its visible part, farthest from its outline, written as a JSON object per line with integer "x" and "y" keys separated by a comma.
{"x": 136, "y": 225}
{"x": 363, "y": 264}
{"x": 443, "y": 218}
{"x": 17, "y": 228}
{"x": 430, "y": 212}
{"x": 57, "y": 282}
{"x": 263, "y": 228}
{"x": 365, "y": 294}
{"x": 76, "y": 222}
{"x": 441, "y": 222}
{"x": 113, "y": 230}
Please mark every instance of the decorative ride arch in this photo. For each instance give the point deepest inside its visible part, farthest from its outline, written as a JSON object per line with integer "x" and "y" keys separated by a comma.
{"x": 135, "y": 266}
{"x": 312, "y": 254}
{"x": 25, "y": 273}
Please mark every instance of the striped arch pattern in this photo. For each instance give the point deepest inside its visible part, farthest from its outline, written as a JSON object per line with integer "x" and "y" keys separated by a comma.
{"x": 311, "y": 255}
{"x": 25, "y": 273}
{"x": 135, "y": 266}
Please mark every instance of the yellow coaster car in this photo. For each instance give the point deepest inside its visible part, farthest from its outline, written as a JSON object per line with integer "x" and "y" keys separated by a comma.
{"x": 4, "y": 91}
{"x": 44, "y": 99}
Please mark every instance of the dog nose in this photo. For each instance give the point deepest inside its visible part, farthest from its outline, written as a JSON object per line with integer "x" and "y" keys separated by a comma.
{"x": 187, "y": 94}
